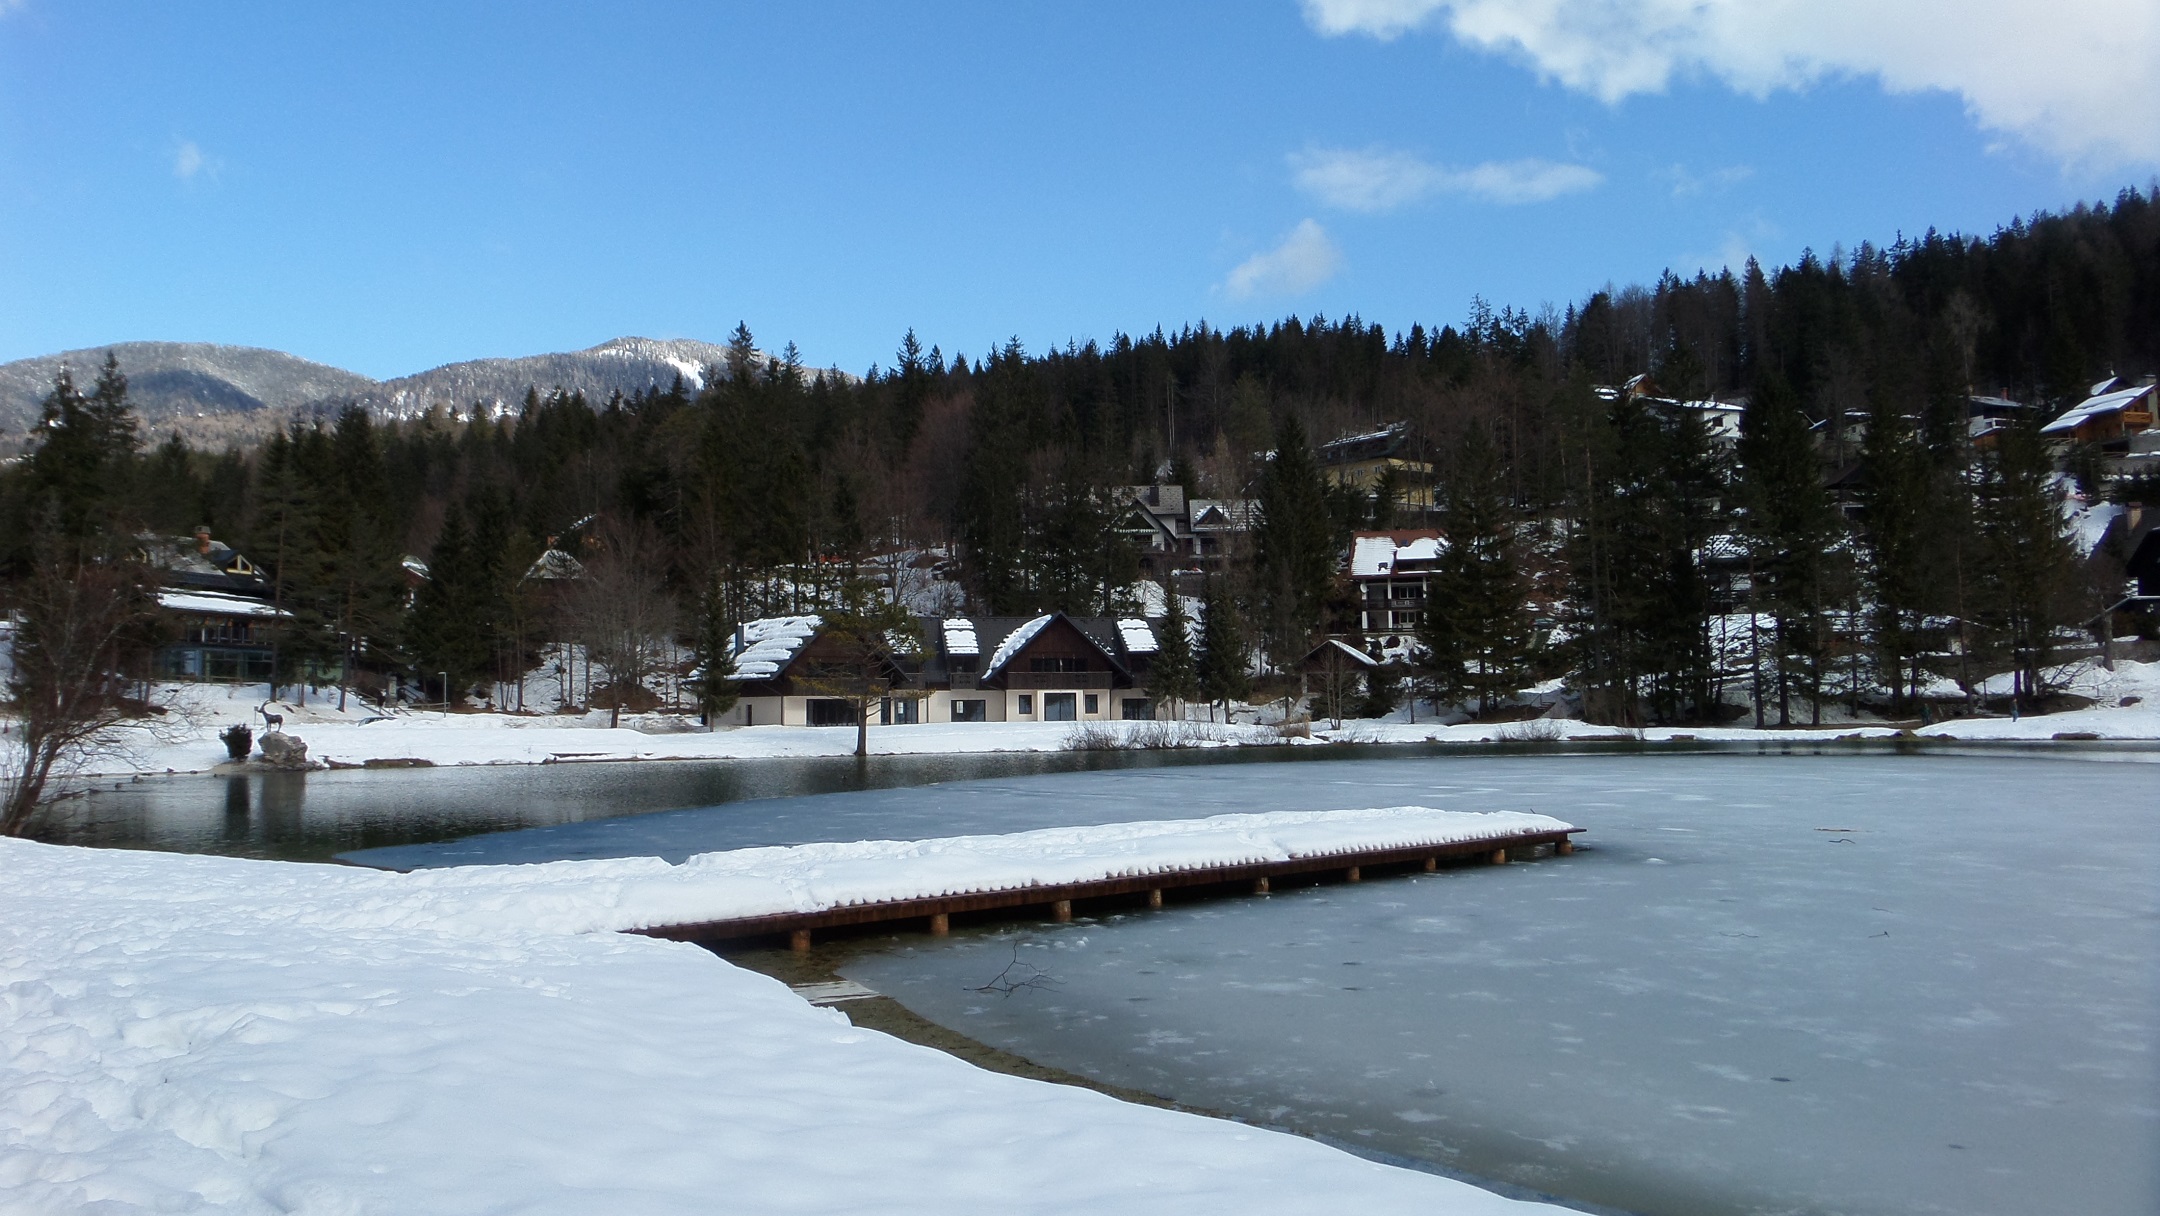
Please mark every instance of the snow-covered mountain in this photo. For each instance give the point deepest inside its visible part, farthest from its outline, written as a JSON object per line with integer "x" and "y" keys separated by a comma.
{"x": 220, "y": 393}
{"x": 171, "y": 382}
{"x": 624, "y": 364}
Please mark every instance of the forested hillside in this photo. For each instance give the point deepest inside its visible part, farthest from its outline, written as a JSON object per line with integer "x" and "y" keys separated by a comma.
{"x": 738, "y": 491}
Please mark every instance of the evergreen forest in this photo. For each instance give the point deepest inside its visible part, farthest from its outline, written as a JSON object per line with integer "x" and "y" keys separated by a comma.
{"x": 1882, "y": 550}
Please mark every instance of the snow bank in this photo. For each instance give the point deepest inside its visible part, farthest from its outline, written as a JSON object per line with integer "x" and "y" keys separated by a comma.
{"x": 214, "y": 1035}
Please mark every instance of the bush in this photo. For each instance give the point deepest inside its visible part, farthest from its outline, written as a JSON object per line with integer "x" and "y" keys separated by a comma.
{"x": 239, "y": 740}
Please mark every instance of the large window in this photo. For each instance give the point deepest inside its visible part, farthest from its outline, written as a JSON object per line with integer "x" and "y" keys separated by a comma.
{"x": 827, "y": 711}
{"x": 1137, "y": 709}
{"x": 970, "y": 711}
{"x": 1058, "y": 707}
{"x": 899, "y": 711}
{"x": 1057, "y": 663}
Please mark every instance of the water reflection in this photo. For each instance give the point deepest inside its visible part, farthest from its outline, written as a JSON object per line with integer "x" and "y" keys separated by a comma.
{"x": 314, "y": 816}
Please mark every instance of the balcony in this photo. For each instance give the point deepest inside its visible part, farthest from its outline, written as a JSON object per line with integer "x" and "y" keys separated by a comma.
{"x": 1030, "y": 681}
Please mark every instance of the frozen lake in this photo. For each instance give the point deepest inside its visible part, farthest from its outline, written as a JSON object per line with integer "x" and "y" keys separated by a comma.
{"x": 1850, "y": 984}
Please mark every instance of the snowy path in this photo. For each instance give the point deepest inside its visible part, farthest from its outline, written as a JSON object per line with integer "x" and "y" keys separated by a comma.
{"x": 206, "y": 1034}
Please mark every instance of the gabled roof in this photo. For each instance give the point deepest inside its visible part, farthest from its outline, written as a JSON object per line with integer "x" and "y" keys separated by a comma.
{"x": 1013, "y": 634}
{"x": 2095, "y": 406}
{"x": 768, "y": 645}
{"x": 1221, "y": 513}
{"x": 554, "y": 565}
{"x": 1340, "y": 649}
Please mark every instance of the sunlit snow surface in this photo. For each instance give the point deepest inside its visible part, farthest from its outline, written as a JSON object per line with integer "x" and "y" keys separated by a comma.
{"x": 1948, "y": 1003}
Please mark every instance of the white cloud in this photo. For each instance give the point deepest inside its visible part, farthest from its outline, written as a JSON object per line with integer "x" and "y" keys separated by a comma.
{"x": 1382, "y": 19}
{"x": 1305, "y": 259}
{"x": 1375, "y": 179}
{"x": 2074, "y": 78}
{"x": 1686, "y": 183}
{"x": 188, "y": 160}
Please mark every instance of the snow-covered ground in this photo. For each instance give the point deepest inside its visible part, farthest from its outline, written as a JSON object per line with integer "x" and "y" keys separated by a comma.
{"x": 208, "y": 1034}
{"x": 2126, "y": 706}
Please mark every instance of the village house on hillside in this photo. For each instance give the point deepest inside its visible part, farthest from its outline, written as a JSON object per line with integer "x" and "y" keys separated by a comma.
{"x": 1389, "y": 579}
{"x": 1386, "y": 456}
{"x": 221, "y": 605}
{"x": 1049, "y": 668}
{"x": 2116, "y": 419}
{"x": 1174, "y": 534}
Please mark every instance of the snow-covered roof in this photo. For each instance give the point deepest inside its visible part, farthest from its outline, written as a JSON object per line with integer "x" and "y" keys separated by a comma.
{"x": 2088, "y": 525}
{"x": 1138, "y": 635}
{"x": 555, "y": 565}
{"x": 213, "y": 604}
{"x": 1374, "y": 556}
{"x": 2093, "y": 407}
{"x": 1221, "y": 513}
{"x": 1346, "y": 651}
{"x": 1013, "y": 642}
{"x": 771, "y": 643}
{"x": 960, "y": 636}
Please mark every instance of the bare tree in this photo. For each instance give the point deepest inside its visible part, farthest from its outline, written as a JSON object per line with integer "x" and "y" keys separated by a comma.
{"x": 622, "y": 613}
{"x": 80, "y": 626}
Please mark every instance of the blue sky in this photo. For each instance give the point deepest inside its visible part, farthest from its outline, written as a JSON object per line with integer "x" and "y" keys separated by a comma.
{"x": 390, "y": 187}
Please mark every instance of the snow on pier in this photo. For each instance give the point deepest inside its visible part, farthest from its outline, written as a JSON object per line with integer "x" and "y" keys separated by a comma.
{"x": 801, "y": 888}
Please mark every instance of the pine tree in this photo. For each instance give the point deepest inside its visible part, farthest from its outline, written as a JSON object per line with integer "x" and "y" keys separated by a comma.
{"x": 1295, "y": 549}
{"x": 1792, "y": 529}
{"x": 1172, "y": 675}
{"x": 79, "y": 470}
{"x": 1476, "y": 625}
{"x": 713, "y": 650}
{"x": 2028, "y": 581}
{"x": 1904, "y": 574}
{"x": 1221, "y": 670}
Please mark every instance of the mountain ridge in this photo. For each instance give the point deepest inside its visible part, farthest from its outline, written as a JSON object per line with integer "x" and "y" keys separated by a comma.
{"x": 207, "y": 391}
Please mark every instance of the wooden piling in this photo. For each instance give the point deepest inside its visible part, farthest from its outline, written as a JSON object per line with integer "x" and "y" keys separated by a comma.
{"x": 1154, "y": 897}
{"x": 941, "y": 923}
{"x": 1499, "y": 857}
{"x": 1061, "y": 911}
{"x": 799, "y": 941}
{"x": 1564, "y": 848}
{"x": 1353, "y": 875}
{"x": 1432, "y": 864}
{"x": 1260, "y": 886}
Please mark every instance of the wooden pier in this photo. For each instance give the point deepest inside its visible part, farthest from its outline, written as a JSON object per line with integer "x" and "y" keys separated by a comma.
{"x": 1058, "y": 900}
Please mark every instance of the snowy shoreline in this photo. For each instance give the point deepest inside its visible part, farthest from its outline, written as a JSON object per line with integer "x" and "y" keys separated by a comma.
{"x": 228, "y": 1035}
{"x": 359, "y": 737}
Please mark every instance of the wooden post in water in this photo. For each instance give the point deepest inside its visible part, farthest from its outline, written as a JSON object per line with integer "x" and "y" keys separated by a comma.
{"x": 1260, "y": 886}
{"x": 1499, "y": 857}
{"x": 799, "y": 941}
{"x": 1564, "y": 848}
{"x": 1354, "y": 875}
{"x": 1061, "y": 911}
{"x": 1154, "y": 897}
{"x": 1431, "y": 864}
{"x": 940, "y": 923}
